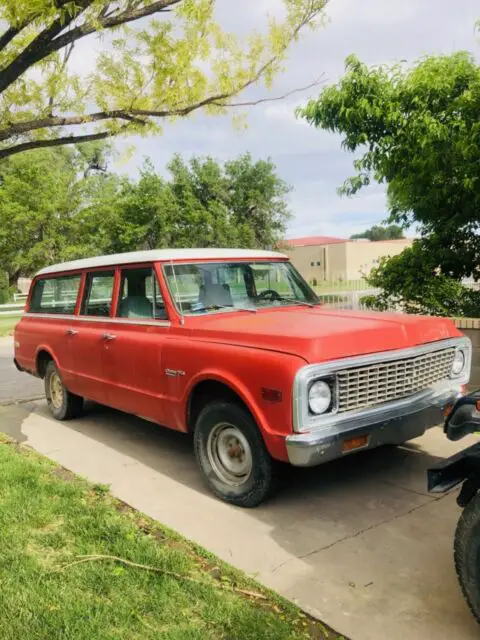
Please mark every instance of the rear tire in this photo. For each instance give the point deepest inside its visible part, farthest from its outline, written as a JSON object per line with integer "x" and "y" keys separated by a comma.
{"x": 467, "y": 554}
{"x": 63, "y": 405}
{"x": 232, "y": 455}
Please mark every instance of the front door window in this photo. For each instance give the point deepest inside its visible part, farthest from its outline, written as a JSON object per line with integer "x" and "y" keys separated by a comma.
{"x": 140, "y": 295}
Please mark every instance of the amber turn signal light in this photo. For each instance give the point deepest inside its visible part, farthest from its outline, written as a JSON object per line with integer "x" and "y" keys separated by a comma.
{"x": 271, "y": 395}
{"x": 354, "y": 443}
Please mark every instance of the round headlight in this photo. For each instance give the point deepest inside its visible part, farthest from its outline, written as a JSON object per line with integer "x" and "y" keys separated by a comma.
{"x": 458, "y": 363}
{"x": 319, "y": 397}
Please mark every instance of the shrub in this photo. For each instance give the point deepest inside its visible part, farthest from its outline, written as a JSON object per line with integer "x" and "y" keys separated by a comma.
{"x": 410, "y": 282}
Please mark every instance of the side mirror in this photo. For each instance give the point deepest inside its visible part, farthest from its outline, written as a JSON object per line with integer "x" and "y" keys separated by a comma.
{"x": 464, "y": 418}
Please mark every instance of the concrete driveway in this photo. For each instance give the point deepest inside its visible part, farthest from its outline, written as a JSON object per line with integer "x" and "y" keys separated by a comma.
{"x": 358, "y": 542}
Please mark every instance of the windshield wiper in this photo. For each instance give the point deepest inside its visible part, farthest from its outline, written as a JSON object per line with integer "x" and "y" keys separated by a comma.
{"x": 218, "y": 307}
{"x": 249, "y": 309}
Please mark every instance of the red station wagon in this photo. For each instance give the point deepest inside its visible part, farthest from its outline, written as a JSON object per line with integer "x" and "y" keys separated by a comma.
{"x": 234, "y": 347}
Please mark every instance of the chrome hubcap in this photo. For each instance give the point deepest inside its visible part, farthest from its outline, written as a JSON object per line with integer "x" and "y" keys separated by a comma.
{"x": 229, "y": 454}
{"x": 56, "y": 390}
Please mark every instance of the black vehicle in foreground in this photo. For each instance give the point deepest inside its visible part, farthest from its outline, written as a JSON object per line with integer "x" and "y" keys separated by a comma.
{"x": 464, "y": 468}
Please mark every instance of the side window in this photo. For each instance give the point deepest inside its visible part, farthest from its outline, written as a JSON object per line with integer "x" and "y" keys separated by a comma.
{"x": 140, "y": 295}
{"x": 97, "y": 300}
{"x": 55, "y": 295}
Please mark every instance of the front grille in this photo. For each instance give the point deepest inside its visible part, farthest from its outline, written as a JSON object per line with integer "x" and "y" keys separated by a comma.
{"x": 374, "y": 384}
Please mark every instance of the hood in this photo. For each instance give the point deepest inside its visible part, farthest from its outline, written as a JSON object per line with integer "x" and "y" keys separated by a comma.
{"x": 317, "y": 334}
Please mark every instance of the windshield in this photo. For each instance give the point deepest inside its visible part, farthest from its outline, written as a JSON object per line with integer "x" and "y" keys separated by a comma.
{"x": 200, "y": 288}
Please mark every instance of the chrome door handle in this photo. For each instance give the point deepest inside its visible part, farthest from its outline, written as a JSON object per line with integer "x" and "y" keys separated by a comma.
{"x": 71, "y": 332}
{"x": 108, "y": 337}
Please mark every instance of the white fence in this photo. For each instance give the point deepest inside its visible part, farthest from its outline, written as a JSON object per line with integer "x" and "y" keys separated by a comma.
{"x": 11, "y": 309}
{"x": 345, "y": 294}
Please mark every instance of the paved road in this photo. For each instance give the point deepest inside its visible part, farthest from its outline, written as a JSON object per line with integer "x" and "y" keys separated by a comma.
{"x": 13, "y": 384}
{"x": 358, "y": 542}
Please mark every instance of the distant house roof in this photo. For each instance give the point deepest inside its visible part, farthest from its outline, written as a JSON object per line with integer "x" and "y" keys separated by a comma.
{"x": 310, "y": 241}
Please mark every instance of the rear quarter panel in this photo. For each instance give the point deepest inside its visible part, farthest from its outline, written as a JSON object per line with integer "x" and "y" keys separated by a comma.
{"x": 34, "y": 334}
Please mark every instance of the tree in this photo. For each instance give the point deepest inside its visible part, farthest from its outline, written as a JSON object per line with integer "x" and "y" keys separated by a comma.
{"x": 40, "y": 200}
{"x": 63, "y": 204}
{"x": 378, "y": 232}
{"x": 201, "y": 204}
{"x": 257, "y": 199}
{"x": 4, "y": 288}
{"x": 419, "y": 131}
{"x": 159, "y": 60}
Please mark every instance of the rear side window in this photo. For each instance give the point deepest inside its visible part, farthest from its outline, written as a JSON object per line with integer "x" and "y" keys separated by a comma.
{"x": 55, "y": 295}
{"x": 97, "y": 300}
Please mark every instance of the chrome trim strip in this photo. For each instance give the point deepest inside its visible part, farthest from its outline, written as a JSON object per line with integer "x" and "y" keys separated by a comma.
{"x": 303, "y": 421}
{"x": 134, "y": 321}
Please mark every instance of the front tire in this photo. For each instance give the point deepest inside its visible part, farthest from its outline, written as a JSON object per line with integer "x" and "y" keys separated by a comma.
{"x": 232, "y": 455}
{"x": 467, "y": 554}
{"x": 63, "y": 405}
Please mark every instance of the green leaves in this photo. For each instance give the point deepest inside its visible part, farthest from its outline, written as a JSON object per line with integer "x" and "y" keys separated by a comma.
{"x": 418, "y": 130}
{"x": 378, "y": 232}
{"x": 40, "y": 195}
{"x": 202, "y": 204}
{"x": 62, "y": 204}
{"x": 157, "y": 60}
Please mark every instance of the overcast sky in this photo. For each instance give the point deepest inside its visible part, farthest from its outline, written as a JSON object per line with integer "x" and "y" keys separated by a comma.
{"x": 378, "y": 31}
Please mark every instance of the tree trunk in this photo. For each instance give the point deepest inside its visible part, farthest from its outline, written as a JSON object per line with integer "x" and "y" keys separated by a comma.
{"x": 13, "y": 278}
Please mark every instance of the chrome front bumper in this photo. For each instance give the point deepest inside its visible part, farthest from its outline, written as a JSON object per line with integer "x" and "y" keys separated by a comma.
{"x": 384, "y": 425}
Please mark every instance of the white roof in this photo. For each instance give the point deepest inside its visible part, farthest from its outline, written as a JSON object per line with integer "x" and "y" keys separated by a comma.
{"x": 161, "y": 255}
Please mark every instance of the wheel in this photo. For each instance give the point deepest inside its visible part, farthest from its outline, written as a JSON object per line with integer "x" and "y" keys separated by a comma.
{"x": 467, "y": 554}
{"x": 62, "y": 404}
{"x": 232, "y": 455}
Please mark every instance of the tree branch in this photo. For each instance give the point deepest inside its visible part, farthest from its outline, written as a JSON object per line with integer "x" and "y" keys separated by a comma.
{"x": 56, "y": 142}
{"x": 66, "y": 58}
{"x": 13, "y": 31}
{"x": 109, "y": 22}
{"x": 46, "y": 42}
{"x": 38, "y": 49}
{"x": 52, "y": 39}
{"x": 65, "y": 121}
{"x": 138, "y": 115}
{"x": 252, "y": 103}
{"x": 8, "y": 36}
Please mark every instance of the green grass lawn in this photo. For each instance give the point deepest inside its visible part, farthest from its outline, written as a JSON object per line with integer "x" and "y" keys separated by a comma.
{"x": 50, "y": 520}
{"x": 7, "y": 324}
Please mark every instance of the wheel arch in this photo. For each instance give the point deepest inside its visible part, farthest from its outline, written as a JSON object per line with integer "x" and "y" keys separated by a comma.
{"x": 211, "y": 387}
{"x": 42, "y": 358}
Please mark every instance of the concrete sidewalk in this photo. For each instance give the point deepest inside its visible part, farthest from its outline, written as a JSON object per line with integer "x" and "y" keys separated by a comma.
{"x": 359, "y": 542}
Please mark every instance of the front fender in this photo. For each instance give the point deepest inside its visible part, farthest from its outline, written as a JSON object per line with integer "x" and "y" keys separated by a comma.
{"x": 274, "y": 439}
{"x": 247, "y": 372}
{"x": 232, "y": 382}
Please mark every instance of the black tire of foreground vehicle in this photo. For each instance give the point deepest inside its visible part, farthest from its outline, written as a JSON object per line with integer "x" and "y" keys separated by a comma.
{"x": 223, "y": 431}
{"x": 467, "y": 554}
{"x": 68, "y": 405}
